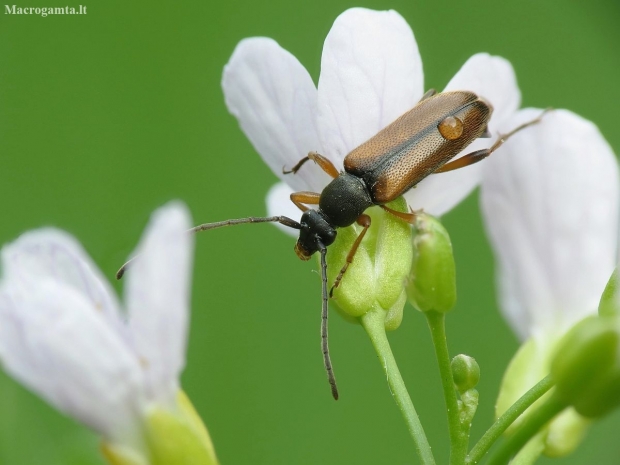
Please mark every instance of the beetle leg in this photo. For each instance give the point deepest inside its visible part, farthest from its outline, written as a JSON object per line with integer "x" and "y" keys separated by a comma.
{"x": 429, "y": 93}
{"x": 362, "y": 220}
{"x": 295, "y": 168}
{"x": 479, "y": 155}
{"x": 465, "y": 160}
{"x": 324, "y": 163}
{"x": 408, "y": 217}
{"x": 320, "y": 160}
{"x": 310, "y": 198}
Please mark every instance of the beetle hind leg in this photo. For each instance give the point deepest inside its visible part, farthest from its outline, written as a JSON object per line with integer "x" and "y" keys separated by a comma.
{"x": 479, "y": 155}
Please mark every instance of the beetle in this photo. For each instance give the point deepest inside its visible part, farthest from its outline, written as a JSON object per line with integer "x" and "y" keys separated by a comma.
{"x": 420, "y": 142}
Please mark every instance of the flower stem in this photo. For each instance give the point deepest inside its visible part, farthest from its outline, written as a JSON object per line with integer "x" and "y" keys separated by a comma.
{"x": 459, "y": 434}
{"x": 530, "y": 427}
{"x": 374, "y": 324}
{"x": 507, "y": 419}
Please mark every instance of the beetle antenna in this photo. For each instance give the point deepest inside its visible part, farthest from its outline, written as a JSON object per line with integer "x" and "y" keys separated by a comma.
{"x": 121, "y": 271}
{"x": 284, "y": 220}
{"x": 324, "y": 344}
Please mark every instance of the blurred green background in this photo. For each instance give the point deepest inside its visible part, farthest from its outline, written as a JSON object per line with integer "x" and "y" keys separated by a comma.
{"x": 106, "y": 116}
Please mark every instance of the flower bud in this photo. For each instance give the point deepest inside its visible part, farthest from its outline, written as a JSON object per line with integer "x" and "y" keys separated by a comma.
{"x": 170, "y": 438}
{"x": 529, "y": 365}
{"x": 565, "y": 433}
{"x": 432, "y": 284}
{"x": 118, "y": 454}
{"x": 465, "y": 372}
{"x": 586, "y": 366}
{"x": 377, "y": 275}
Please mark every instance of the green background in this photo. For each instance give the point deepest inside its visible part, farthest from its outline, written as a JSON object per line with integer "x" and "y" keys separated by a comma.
{"x": 106, "y": 116}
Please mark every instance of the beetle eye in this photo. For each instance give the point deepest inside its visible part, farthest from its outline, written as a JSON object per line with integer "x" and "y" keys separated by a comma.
{"x": 450, "y": 128}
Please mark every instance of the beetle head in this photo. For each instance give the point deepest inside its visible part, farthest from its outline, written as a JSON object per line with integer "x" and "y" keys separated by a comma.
{"x": 314, "y": 228}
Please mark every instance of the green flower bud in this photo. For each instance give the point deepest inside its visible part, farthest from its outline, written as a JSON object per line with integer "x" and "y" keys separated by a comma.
{"x": 586, "y": 366}
{"x": 610, "y": 300}
{"x": 432, "y": 284}
{"x": 465, "y": 372}
{"x": 565, "y": 433}
{"x": 529, "y": 365}
{"x": 180, "y": 438}
{"x": 376, "y": 277}
{"x": 170, "y": 438}
{"x": 116, "y": 454}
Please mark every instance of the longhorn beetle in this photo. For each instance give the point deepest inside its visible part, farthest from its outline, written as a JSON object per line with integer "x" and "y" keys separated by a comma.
{"x": 420, "y": 142}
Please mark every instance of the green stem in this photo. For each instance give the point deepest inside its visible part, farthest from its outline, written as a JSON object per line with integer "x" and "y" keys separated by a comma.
{"x": 459, "y": 434}
{"x": 507, "y": 419}
{"x": 531, "y": 426}
{"x": 374, "y": 324}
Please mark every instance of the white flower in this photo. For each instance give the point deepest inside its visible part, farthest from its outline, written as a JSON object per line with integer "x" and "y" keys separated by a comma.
{"x": 64, "y": 335}
{"x": 550, "y": 202}
{"x": 371, "y": 73}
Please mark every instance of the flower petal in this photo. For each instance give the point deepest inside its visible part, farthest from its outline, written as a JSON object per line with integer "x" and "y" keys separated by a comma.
{"x": 157, "y": 298}
{"x": 275, "y": 101}
{"x": 550, "y": 203}
{"x": 53, "y": 254}
{"x": 493, "y": 78}
{"x": 440, "y": 193}
{"x": 371, "y": 73}
{"x": 279, "y": 204}
{"x": 55, "y": 341}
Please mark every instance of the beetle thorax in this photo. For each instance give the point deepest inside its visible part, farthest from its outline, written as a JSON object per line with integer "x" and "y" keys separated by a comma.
{"x": 344, "y": 199}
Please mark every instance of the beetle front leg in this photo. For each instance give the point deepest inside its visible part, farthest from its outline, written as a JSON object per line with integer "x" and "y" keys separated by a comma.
{"x": 362, "y": 220}
{"x": 320, "y": 160}
{"x": 480, "y": 155}
{"x": 304, "y": 197}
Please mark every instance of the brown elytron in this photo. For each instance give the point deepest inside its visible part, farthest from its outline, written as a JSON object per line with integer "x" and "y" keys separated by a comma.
{"x": 412, "y": 147}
